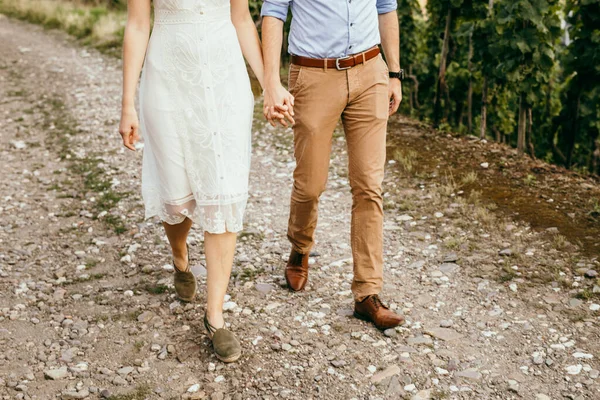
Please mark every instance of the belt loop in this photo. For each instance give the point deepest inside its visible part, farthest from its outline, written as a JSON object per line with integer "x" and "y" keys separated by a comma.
{"x": 325, "y": 64}
{"x": 364, "y": 57}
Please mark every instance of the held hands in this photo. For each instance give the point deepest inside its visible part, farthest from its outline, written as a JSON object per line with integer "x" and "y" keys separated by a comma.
{"x": 278, "y": 105}
{"x": 128, "y": 128}
{"x": 395, "y": 94}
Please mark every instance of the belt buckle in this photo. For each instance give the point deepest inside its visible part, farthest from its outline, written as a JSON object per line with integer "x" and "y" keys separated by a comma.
{"x": 337, "y": 63}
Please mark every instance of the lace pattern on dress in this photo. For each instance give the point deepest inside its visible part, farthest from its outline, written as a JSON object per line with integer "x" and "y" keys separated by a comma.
{"x": 196, "y": 108}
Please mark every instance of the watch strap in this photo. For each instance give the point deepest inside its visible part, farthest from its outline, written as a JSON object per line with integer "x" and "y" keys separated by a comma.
{"x": 398, "y": 75}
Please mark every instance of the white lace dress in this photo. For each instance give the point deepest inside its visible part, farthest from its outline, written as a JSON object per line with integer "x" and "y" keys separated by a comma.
{"x": 196, "y": 108}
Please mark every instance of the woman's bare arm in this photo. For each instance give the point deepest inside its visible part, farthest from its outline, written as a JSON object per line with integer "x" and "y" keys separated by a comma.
{"x": 137, "y": 32}
{"x": 252, "y": 50}
{"x": 248, "y": 37}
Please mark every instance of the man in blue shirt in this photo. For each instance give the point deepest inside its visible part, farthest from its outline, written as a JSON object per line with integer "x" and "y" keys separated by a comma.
{"x": 337, "y": 71}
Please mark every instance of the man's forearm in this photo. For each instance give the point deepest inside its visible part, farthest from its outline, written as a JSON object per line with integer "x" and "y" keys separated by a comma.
{"x": 389, "y": 30}
{"x": 272, "y": 35}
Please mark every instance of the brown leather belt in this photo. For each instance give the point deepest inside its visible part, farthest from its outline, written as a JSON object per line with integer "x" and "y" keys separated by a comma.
{"x": 337, "y": 63}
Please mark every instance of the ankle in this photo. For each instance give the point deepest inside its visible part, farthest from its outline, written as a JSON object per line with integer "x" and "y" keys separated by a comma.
{"x": 180, "y": 251}
{"x": 215, "y": 318}
{"x": 181, "y": 259}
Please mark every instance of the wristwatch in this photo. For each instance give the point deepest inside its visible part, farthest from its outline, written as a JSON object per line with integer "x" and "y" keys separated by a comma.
{"x": 398, "y": 75}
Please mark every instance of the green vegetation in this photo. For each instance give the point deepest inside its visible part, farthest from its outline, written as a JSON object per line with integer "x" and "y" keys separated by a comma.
{"x": 559, "y": 242}
{"x": 508, "y": 70}
{"x": 595, "y": 208}
{"x": 407, "y": 159}
{"x": 89, "y": 169}
{"x": 159, "y": 289}
{"x": 530, "y": 180}
{"x": 138, "y": 345}
{"x": 98, "y": 23}
{"x": 116, "y": 223}
{"x": 587, "y": 294}
{"x": 453, "y": 243}
{"x": 469, "y": 178}
{"x": 140, "y": 393}
{"x": 248, "y": 273}
{"x": 507, "y": 274}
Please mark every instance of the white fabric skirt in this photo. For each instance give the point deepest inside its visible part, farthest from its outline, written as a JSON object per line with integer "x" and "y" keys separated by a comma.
{"x": 196, "y": 108}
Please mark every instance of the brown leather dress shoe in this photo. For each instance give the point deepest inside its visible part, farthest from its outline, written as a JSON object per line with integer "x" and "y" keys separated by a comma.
{"x": 296, "y": 271}
{"x": 371, "y": 309}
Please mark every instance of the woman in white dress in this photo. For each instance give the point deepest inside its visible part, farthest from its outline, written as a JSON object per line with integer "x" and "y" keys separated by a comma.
{"x": 196, "y": 108}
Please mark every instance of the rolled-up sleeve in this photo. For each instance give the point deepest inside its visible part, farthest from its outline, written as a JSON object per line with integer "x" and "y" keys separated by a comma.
{"x": 386, "y": 6}
{"x": 275, "y": 8}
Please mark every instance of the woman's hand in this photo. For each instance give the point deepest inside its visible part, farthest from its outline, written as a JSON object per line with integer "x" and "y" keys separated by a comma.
{"x": 128, "y": 128}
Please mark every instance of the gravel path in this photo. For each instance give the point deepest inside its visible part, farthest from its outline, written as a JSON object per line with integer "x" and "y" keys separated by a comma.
{"x": 494, "y": 309}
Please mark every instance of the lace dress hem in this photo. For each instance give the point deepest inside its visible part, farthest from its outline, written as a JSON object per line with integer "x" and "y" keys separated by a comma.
{"x": 212, "y": 218}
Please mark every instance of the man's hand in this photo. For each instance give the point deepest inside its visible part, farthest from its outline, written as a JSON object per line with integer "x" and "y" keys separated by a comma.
{"x": 395, "y": 94}
{"x": 278, "y": 105}
{"x": 389, "y": 30}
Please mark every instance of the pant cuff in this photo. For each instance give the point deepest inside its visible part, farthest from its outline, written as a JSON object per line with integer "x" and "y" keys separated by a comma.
{"x": 360, "y": 295}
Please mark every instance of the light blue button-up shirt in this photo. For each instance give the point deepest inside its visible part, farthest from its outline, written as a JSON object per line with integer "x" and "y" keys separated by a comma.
{"x": 330, "y": 28}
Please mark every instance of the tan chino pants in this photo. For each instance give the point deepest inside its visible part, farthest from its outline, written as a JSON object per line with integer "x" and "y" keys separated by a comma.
{"x": 360, "y": 97}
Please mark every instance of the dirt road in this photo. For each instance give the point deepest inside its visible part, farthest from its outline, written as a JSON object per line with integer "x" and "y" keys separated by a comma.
{"x": 495, "y": 310}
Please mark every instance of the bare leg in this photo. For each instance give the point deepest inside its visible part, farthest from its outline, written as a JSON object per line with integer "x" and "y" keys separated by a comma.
{"x": 219, "y": 251}
{"x": 177, "y": 235}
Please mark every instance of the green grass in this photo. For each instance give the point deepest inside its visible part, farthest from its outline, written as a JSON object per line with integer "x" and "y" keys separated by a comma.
{"x": 247, "y": 274}
{"x": 507, "y": 274}
{"x": 109, "y": 199}
{"x": 406, "y": 158}
{"x": 142, "y": 392}
{"x": 246, "y": 235}
{"x": 132, "y": 315}
{"x": 469, "y": 178}
{"x": 595, "y": 208}
{"x": 449, "y": 186}
{"x": 88, "y": 169}
{"x": 116, "y": 223}
{"x": 587, "y": 294}
{"x": 439, "y": 394}
{"x": 406, "y": 205}
{"x": 530, "y": 180}
{"x": 559, "y": 242}
{"x": 475, "y": 197}
{"x": 16, "y": 93}
{"x": 453, "y": 243}
{"x": 138, "y": 345}
{"x": 96, "y": 25}
{"x": 159, "y": 289}
{"x": 93, "y": 175}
